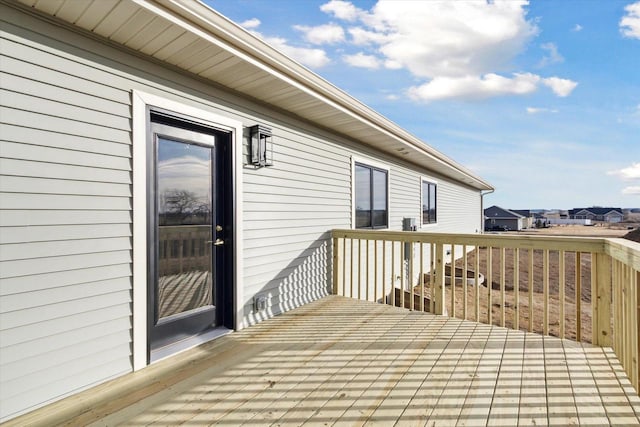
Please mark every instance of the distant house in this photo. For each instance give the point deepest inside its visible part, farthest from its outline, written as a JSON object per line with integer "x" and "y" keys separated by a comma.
{"x": 496, "y": 218}
{"x": 538, "y": 214}
{"x": 551, "y": 214}
{"x": 597, "y": 214}
{"x": 529, "y": 217}
{"x": 523, "y": 212}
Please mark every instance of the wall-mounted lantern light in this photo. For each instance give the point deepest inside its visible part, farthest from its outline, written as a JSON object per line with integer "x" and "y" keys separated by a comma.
{"x": 261, "y": 146}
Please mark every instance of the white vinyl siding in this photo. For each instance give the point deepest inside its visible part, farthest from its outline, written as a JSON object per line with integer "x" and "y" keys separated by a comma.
{"x": 66, "y": 207}
{"x": 288, "y": 209}
{"x": 458, "y": 208}
{"x": 65, "y": 226}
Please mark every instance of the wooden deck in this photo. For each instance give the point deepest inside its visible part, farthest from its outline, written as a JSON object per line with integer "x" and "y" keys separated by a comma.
{"x": 339, "y": 361}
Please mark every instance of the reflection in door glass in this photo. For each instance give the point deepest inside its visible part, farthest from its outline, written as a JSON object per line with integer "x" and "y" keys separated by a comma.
{"x": 184, "y": 203}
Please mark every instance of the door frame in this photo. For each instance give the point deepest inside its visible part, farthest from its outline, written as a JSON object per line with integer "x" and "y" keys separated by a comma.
{"x": 142, "y": 104}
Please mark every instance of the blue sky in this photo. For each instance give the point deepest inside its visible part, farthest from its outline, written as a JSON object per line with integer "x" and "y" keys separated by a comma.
{"x": 540, "y": 98}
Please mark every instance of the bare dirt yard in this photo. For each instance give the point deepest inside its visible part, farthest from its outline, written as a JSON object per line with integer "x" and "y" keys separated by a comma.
{"x": 577, "y": 230}
{"x": 530, "y": 292}
{"x": 528, "y": 295}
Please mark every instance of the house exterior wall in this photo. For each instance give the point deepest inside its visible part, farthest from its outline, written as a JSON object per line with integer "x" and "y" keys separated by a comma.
{"x": 563, "y": 221}
{"x": 66, "y": 213}
{"x": 514, "y": 224}
{"x": 65, "y": 272}
{"x": 613, "y": 217}
{"x": 585, "y": 215}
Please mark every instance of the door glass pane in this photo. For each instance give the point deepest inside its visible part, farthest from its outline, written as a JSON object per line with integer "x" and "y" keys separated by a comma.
{"x": 184, "y": 203}
{"x": 379, "y": 198}
{"x": 363, "y": 197}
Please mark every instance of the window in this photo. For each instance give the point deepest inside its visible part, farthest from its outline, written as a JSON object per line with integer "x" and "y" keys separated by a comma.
{"x": 429, "y": 190}
{"x": 371, "y": 197}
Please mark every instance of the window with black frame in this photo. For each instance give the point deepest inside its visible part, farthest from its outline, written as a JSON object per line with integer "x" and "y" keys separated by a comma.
{"x": 429, "y": 190}
{"x": 371, "y": 196}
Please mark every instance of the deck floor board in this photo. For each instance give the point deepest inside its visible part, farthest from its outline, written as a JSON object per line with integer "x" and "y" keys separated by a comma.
{"x": 339, "y": 361}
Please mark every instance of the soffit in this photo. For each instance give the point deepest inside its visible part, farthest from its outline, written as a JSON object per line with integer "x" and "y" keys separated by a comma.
{"x": 193, "y": 37}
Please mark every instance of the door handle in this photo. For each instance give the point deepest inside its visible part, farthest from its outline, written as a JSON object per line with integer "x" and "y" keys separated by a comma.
{"x": 218, "y": 242}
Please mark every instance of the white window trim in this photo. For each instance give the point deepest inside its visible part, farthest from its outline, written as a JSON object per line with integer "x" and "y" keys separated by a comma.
{"x": 375, "y": 164}
{"x": 431, "y": 181}
{"x": 142, "y": 100}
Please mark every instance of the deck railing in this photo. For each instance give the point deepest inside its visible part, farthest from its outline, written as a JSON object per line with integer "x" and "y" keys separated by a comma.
{"x": 585, "y": 289}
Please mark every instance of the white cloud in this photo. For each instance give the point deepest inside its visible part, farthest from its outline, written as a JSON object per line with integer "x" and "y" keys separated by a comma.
{"x": 489, "y": 85}
{"x": 630, "y": 22}
{"x": 456, "y": 49}
{"x": 475, "y": 87}
{"x": 392, "y": 65}
{"x": 552, "y": 57}
{"x": 561, "y": 87}
{"x": 342, "y": 10}
{"x": 313, "y": 58}
{"x": 361, "y": 37}
{"x": 322, "y": 34}
{"x": 362, "y": 60}
{"x": 632, "y": 190}
{"x": 629, "y": 173}
{"x": 577, "y": 28}
{"x": 452, "y": 39}
{"x": 251, "y": 23}
{"x": 536, "y": 110}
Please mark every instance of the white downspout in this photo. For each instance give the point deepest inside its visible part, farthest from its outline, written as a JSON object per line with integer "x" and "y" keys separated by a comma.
{"x": 482, "y": 207}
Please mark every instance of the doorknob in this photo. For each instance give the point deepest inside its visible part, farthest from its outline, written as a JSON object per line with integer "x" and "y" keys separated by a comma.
{"x": 218, "y": 242}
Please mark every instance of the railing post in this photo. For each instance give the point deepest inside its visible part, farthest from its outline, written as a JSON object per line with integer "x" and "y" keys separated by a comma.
{"x": 439, "y": 285}
{"x": 601, "y": 300}
{"x": 335, "y": 265}
{"x": 637, "y": 332}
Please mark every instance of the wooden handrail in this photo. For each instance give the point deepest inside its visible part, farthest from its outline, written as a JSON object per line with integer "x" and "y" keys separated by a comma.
{"x": 568, "y": 243}
{"x": 623, "y": 250}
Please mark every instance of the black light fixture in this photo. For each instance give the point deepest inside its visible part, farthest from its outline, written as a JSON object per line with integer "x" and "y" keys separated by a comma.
{"x": 261, "y": 146}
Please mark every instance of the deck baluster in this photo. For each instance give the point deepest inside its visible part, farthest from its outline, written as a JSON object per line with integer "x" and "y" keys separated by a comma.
{"x": 439, "y": 296}
{"x": 516, "y": 288}
{"x": 502, "y": 286}
{"x": 477, "y": 284}
{"x": 489, "y": 285}
{"x": 561, "y": 290}
{"x": 464, "y": 282}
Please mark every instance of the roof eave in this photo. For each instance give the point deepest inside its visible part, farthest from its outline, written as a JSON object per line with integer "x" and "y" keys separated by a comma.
{"x": 208, "y": 18}
{"x": 258, "y": 57}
